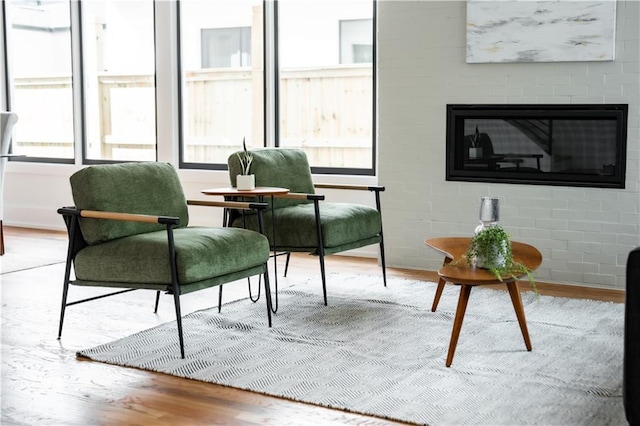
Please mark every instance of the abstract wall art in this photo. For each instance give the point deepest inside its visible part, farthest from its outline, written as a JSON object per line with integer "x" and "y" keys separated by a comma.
{"x": 540, "y": 31}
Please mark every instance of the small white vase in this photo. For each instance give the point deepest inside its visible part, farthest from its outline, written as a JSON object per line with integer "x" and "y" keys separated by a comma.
{"x": 475, "y": 152}
{"x": 245, "y": 182}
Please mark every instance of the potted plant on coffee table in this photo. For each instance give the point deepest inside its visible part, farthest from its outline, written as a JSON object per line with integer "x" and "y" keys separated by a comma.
{"x": 245, "y": 181}
{"x": 490, "y": 248}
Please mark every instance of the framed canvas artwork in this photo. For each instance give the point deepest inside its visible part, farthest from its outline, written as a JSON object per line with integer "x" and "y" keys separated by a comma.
{"x": 540, "y": 31}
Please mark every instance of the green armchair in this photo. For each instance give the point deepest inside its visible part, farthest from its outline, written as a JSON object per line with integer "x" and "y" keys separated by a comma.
{"x": 128, "y": 231}
{"x": 303, "y": 221}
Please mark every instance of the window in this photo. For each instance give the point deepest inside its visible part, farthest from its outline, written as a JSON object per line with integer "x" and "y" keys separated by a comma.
{"x": 116, "y": 117}
{"x": 226, "y": 47}
{"x": 317, "y": 87}
{"x": 42, "y": 85}
{"x": 285, "y": 73}
{"x": 222, "y": 96}
{"x": 356, "y": 41}
{"x": 325, "y": 94}
{"x": 119, "y": 79}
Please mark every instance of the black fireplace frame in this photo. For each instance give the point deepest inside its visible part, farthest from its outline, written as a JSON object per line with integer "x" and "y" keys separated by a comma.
{"x": 459, "y": 168}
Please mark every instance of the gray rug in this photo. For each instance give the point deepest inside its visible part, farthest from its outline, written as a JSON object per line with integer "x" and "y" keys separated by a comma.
{"x": 381, "y": 351}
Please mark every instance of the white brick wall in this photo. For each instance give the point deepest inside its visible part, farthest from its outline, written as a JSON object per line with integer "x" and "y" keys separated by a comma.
{"x": 584, "y": 234}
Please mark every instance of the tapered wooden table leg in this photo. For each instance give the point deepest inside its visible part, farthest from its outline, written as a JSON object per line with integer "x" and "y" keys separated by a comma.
{"x": 441, "y": 281}
{"x": 436, "y": 298}
{"x": 519, "y": 308}
{"x": 465, "y": 291}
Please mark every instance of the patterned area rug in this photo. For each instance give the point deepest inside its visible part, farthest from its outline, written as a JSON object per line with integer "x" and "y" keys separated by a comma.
{"x": 381, "y": 351}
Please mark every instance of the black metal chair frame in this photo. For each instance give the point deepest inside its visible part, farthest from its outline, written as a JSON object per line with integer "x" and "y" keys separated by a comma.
{"x": 316, "y": 198}
{"x": 71, "y": 217}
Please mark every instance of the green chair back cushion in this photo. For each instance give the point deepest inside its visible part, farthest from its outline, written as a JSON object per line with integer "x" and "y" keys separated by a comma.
{"x": 277, "y": 167}
{"x": 142, "y": 188}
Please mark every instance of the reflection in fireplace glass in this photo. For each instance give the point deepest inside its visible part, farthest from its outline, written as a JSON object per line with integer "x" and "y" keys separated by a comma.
{"x": 582, "y": 145}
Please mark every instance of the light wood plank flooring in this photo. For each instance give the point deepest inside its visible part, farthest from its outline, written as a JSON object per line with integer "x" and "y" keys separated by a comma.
{"x": 43, "y": 383}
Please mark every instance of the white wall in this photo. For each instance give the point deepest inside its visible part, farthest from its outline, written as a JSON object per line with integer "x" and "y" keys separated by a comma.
{"x": 584, "y": 234}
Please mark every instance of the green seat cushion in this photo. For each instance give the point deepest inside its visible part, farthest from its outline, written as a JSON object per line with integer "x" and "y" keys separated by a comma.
{"x": 343, "y": 224}
{"x": 202, "y": 253}
{"x": 143, "y": 188}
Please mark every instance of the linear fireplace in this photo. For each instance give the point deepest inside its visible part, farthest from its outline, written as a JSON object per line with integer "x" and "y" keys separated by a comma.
{"x": 570, "y": 145}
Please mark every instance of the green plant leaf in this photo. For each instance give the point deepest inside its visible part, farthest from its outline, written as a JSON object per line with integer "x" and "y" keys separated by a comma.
{"x": 491, "y": 244}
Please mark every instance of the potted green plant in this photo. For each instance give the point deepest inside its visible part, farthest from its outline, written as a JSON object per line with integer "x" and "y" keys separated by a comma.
{"x": 245, "y": 181}
{"x": 490, "y": 248}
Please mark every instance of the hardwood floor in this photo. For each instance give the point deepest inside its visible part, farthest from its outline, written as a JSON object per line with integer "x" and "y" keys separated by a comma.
{"x": 43, "y": 383}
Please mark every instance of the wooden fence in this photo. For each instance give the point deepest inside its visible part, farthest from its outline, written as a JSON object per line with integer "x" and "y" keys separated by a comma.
{"x": 327, "y": 112}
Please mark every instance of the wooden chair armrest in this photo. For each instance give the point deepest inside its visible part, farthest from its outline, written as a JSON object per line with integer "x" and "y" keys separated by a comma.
{"x": 131, "y": 217}
{"x": 350, "y": 187}
{"x": 229, "y": 204}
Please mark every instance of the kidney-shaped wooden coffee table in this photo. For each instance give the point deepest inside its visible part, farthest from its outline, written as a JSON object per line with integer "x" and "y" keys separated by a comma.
{"x": 460, "y": 273}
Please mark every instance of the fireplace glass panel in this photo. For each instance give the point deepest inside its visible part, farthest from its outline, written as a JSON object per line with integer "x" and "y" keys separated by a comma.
{"x": 582, "y": 145}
